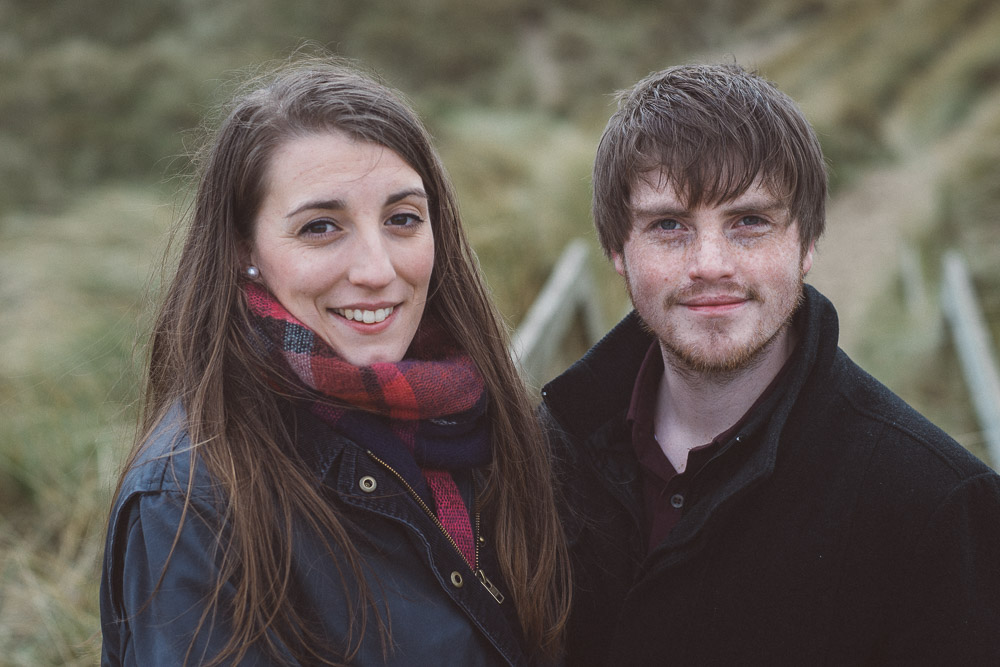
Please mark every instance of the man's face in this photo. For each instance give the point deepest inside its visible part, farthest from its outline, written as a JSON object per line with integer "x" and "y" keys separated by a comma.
{"x": 716, "y": 284}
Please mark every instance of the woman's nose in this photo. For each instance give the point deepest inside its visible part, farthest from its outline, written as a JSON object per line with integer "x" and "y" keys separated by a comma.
{"x": 371, "y": 263}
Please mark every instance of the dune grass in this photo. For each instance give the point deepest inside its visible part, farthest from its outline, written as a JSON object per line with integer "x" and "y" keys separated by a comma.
{"x": 73, "y": 285}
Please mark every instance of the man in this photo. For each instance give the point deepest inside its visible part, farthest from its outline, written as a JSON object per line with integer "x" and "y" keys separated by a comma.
{"x": 737, "y": 490}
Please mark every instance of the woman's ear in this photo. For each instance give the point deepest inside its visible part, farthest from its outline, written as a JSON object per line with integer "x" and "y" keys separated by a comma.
{"x": 248, "y": 266}
{"x": 245, "y": 250}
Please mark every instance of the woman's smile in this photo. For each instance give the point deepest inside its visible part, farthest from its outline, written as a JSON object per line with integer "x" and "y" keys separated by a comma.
{"x": 363, "y": 314}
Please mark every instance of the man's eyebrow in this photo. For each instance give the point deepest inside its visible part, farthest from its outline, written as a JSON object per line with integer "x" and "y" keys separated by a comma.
{"x": 772, "y": 208}
{"x": 758, "y": 201}
{"x": 659, "y": 211}
{"x": 762, "y": 204}
{"x": 756, "y": 207}
{"x": 340, "y": 204}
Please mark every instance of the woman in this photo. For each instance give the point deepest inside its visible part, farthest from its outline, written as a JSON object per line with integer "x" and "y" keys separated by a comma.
{"x": 337, "y": 462}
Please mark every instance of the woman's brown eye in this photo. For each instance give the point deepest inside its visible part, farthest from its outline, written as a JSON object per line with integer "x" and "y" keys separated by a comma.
{"x": 404, "y": 219}
{"x": 319, "y": 227}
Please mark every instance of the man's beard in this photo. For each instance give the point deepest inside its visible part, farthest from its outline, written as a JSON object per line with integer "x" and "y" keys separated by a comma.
{"x": 694, "y": 360}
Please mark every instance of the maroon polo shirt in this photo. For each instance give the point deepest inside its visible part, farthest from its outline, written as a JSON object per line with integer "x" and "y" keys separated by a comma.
{"x": 664, "y": 490}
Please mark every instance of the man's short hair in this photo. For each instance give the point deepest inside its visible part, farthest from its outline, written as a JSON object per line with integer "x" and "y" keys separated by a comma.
{"x": 711, "y": 130}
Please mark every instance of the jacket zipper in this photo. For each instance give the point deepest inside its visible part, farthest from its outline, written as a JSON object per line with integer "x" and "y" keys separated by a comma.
{"x": 477, "y": 539}
{"x": 480, "y": 575}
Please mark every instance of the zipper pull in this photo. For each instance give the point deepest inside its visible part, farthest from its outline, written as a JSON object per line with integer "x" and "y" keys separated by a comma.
{"x": 494, "y": 591}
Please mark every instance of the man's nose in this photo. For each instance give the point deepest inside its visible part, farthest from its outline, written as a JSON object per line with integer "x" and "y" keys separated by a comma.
{"x": 710, "y": 257}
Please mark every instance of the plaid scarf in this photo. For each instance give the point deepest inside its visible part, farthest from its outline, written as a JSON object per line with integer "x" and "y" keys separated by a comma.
{"x": 423, "y": 416}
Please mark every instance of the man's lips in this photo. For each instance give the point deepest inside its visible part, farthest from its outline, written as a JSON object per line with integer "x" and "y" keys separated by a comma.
{"x": 718, "y": 303}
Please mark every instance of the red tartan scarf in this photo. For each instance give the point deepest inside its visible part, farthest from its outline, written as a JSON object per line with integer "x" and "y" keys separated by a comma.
{"x": 423, "y": 416}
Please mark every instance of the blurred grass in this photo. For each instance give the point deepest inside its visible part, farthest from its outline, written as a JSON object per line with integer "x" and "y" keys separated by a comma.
{"x": 97, "y": 101}
{"x": 971, "y": 215}
{"x": 72, "y": 287}
{"x": 531, "y": 176}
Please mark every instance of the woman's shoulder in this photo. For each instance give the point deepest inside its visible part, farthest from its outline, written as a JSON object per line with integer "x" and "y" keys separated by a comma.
{"x": 165, "y": 461}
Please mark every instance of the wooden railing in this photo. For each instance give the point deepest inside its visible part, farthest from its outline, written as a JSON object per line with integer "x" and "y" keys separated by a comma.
{"x": 567, "y": 300}
{"x": 974, "y": 346}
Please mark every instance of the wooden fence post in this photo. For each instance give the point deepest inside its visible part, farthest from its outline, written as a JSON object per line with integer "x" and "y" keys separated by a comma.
{"x": 975, "y": 348}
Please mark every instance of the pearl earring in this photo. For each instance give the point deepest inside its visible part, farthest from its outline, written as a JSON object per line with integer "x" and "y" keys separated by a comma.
{"x": 252, "y": 272}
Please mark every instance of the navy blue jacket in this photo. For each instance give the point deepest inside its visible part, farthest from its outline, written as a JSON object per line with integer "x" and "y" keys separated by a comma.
{"x": 837, "y": 527}
{"x": 439, "y": 612}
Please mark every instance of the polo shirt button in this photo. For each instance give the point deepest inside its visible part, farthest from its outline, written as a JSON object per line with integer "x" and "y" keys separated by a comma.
{"x": 677, "y": 501}
{"x": 456, "y": 579}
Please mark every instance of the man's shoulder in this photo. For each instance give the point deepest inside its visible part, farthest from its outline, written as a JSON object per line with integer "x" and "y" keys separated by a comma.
{"x": 902, "y": 437}
{"x": 598, "y": 387}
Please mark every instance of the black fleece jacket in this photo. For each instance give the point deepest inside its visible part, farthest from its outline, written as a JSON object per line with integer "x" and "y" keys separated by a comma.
{"x": 838, "y": 527}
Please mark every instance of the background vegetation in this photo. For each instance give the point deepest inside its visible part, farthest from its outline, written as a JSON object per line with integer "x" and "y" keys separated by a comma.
{"x": 98, "y": 106}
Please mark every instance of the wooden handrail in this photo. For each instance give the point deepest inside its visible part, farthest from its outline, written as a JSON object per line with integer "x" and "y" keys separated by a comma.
{"x": 974, "y": 346}
{"x": 568, "y": 292}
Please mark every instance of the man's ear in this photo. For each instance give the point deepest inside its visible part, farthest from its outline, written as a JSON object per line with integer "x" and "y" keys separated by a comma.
{"x": 807, "y": 258}
{"x": 619, "y": 262}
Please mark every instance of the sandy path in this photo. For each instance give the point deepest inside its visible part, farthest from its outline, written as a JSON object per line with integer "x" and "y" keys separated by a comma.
{"x": 868, "y": 223}
{"x": 857, "y": 259}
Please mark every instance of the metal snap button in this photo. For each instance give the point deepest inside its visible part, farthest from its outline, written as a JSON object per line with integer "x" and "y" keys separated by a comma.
{"x": 368, "y": 484}
{"x": 456, "y": 580}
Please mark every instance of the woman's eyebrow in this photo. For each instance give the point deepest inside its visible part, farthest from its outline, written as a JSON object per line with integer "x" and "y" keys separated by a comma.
{"x": 319, "y": 205}
{"x": 340, "y": 204}
{"x": 403, "y": 194}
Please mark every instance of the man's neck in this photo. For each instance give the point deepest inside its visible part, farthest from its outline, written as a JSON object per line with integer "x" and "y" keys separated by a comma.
{"x": 692, "y": 408}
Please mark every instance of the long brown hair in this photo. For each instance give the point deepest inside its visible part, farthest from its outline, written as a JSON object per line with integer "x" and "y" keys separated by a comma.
{"x": 200, "y": 354}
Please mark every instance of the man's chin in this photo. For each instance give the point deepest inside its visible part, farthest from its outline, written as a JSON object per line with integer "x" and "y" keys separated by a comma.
{"x": 713, "y": 364}
{"x": 720, "y": 358}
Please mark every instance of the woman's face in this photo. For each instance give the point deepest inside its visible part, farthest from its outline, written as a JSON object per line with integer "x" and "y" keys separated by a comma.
{"x": 343, "y": 240}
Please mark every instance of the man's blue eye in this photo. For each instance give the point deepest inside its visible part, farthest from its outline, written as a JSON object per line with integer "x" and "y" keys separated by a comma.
{"x": 668, "y": 225}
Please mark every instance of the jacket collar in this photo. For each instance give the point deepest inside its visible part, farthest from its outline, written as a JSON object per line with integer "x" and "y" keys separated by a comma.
{"x": 316, "y": 443}
{"x": 598, "y": 387}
